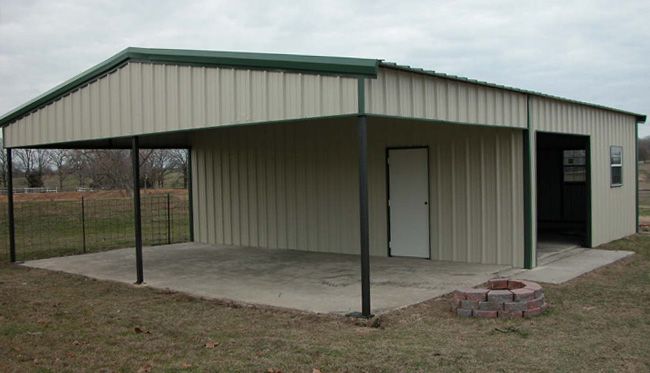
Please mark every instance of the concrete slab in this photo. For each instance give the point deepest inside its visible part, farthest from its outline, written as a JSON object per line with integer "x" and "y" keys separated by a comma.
{"x": 569, "y": 267}
{"x": 552, "y": 250}
{"x": 555, "y": 245}
{"x": 316, "y": 282}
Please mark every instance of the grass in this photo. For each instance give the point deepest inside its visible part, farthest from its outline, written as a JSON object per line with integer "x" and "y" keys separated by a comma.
{"x": 48, "y": 228}
{"x": 644, "y": 210}
{"x": 53, "y": 321}
{"x": 644, "y": 175}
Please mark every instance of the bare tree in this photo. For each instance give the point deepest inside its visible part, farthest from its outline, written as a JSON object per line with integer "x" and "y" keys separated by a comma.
{"x": 3, "y": 166}
{"x": 33, "y": 163}
{"x": 178, "y": 161}
{"x": 644, "y": 149}
{"x": 78, "y": 166}
{"x": 103, "y": 169}
{"x": 147, "y": 171}
{"x": 59, "y": 158}
{"x": 110, "y": 169}
{"x": 155, "y": 168}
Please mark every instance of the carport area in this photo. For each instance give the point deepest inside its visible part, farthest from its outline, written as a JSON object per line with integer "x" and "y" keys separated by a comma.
{"x": 291, "y": 153}
{"x": 307, "y": 281}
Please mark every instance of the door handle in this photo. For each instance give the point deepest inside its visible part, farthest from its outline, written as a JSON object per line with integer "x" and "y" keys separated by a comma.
{"x": 426, "y": 202}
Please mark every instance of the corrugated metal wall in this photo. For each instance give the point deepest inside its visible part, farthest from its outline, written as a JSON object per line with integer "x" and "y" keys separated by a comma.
{"x": 613, "y": 209}
{"x": 150, "y": 98}
{"x": 476, "y": 190}
{"x": 279, "y": 186}
{"x": 295, "y": 186}
{"x": 405, "y": 94}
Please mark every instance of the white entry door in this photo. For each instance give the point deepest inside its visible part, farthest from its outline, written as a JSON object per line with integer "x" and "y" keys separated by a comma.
{"x": 408, "y": 202}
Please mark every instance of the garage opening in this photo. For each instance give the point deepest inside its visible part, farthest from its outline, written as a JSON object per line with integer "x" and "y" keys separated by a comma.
{"x": 563, "y": 194}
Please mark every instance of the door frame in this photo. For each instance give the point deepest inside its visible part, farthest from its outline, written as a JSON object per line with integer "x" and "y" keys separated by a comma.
{"x": 387, "y": 166}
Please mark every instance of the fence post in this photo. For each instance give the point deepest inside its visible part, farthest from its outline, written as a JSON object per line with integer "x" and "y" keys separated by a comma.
{"x": 169, "y": 227}
{"x": 83, "y": 224}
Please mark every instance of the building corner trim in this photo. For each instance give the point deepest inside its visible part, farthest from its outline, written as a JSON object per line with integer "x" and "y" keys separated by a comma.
{"x": 636, "y": 167}
{"x": 528, "y": 197}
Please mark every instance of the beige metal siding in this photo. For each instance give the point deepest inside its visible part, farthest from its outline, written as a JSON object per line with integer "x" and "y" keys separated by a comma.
{"x": 281, "y": 186}
{"x": 141, "y": 98}
{"x": 296, "y": 186}
{"x": 475, "y": 187}
{"x": 613, "y": 210}
{"x": 410, "y": 95}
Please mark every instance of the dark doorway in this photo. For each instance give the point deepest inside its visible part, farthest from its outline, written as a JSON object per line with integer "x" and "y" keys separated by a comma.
{"x": 563, "y": 191}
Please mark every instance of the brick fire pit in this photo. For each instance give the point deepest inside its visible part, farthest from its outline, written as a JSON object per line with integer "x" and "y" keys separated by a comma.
{"x": 503, "y": 298}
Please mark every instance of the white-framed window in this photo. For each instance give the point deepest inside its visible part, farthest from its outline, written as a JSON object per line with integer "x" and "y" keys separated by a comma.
{"x": 616, "y": 165}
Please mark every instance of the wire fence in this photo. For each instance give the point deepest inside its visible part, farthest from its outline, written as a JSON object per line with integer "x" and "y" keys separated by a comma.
{"x": 49, "y": 228}
{"x": 644, "y": 207}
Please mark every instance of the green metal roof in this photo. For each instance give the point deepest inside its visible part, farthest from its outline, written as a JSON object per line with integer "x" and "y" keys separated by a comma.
{"x": 360, "y": 67}
{"x": 639, "y": 117}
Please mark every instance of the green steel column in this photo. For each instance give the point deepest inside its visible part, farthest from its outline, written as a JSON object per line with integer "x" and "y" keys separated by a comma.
{"x": 135, "y": 158}
{"x": 528, "y": 192}
{"x": 190, "y": 195}
{"x": 10, "y": 207}
{"x": 362, "y": 130}
{"x": 636, "y": 167}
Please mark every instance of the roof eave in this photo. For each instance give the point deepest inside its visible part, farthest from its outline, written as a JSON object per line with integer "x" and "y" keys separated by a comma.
{"x": 65, "y": 87}
{"x": 295, "y": 63}
{"x": 640, "y": 118}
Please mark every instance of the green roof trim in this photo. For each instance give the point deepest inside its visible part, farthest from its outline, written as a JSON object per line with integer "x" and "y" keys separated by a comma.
{"x": 345, "y": 66}
{"x": 640, "y": 118}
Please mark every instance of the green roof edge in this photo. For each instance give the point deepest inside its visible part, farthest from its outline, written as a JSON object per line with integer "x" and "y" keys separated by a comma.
{"x": 640, "y": 118}
{"x": 346, "y": 66}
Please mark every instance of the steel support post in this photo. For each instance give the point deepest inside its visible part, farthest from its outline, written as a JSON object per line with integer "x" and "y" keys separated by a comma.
{"x": 137, "y": 218}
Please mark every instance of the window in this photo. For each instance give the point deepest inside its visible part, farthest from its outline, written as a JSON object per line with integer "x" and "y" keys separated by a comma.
{"x": 616, "y": 165}
{"x": 574, "y": 163}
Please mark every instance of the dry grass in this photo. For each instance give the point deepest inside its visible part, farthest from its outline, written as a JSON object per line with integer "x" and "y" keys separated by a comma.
{"x": 55, "y": 321}
{"x": 50, "y": 224}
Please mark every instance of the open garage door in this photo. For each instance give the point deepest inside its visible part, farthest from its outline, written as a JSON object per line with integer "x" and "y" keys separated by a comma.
{"x": 563, "y": 192}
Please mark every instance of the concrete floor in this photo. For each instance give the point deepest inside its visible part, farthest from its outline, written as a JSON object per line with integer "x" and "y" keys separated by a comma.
{"x": 551, "y": 247}
{"x": 571, "y": 264}
{"x": 316, "y": 282}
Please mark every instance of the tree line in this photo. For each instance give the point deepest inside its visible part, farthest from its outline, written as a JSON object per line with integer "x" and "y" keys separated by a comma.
{"x": 644, "y": 149}
{"x": 96, "y": 169}
{"x": 111, "y": 169}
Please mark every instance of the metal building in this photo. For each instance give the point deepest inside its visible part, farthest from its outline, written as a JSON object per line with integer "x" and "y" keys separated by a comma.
{"x": 356, "y": 156}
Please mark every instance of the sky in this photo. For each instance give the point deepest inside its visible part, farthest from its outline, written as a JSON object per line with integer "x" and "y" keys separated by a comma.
{"x": 595, "y": 51}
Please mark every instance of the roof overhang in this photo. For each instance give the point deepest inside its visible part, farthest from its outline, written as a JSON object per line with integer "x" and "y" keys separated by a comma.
{"x": 344, "y": 66}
